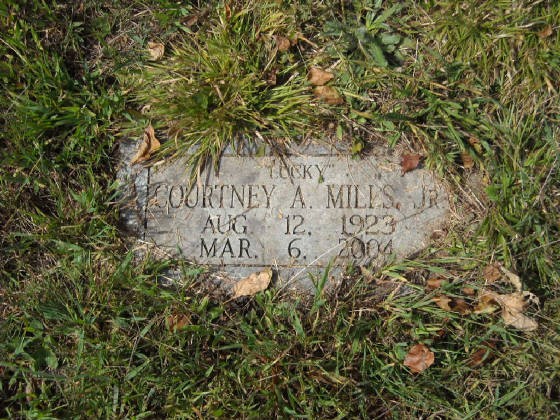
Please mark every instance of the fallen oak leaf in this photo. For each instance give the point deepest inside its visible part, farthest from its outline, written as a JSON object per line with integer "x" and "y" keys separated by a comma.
{"x": 409, "y": 162}
{"x": 148, "y": 146}
{"x": 318, "y": 77}
{"x": 419, "y": 358}
{"x": 253, "y": 284}
{"x": 328, "y": 94}
{"x": 155, "y": 50}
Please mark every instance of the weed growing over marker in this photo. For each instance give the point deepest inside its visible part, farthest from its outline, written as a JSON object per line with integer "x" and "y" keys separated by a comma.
{"x": 235, "y": 77}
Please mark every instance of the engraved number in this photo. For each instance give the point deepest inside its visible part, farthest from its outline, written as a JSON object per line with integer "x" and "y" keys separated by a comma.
{"x": 294, "y": 251}
{"x": 295, "y": 224}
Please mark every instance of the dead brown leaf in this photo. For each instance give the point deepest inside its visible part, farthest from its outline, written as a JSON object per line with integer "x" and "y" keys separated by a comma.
{"x": 513, "y": 279}
{"x": 328, "y": 94}
{"x": 486, "y": 304}
{"x": 467, "y": 160}
{"x": 409, "y": 162}
{"x": 492, "y": 272}
{"x": 512, "y": 305}
{"x": 453, "y": 304}
{"x": 190, "y": 21}
{"x": 250, "y": 286}
{"x": 177, "y": 322}
{"x": 282, "y": 43}
{"x": 435, "y": 283}
{"x": 419, "y": 358}
{"x": 546, "y": 32}
{"x": 318, "y": 77}
{"x": 482, "y": 355}
{"x": 475, "y": 143}
{"x": 468, "y": 291}
{"x": 148, "y": 146}
{"x": 156, "y": 50}
{"x": 270, "y": 77}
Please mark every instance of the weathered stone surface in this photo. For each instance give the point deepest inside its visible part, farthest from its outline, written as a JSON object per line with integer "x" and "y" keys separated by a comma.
{"x": 294, "y": 213}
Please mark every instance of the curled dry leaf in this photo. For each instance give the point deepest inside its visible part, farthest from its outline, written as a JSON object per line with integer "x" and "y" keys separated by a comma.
{"x": 328, "y": 94}
{"x": 409, "y": 162}
{"x": 255, "y": 283}
{"x": 156, "y": 50}
{"x": 512, "y": 305}
{"x": 419, "y": 358}
{"x": 148, "y": 146}
{"x": 318, "y": 77}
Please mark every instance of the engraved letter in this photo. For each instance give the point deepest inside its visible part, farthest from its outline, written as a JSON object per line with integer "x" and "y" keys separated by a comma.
{"x": 331, "y": 200}
{"x": 244, "y": 246}
{"x": 227, "y": 248}
{"x": 204, "y": 249}
{"x": 298, "y": 197}
{"x": 195, "y": 191}
{"x": 268, "y": 194}
{"x": 210, "y": 225}
{"x": 171, "y": 196}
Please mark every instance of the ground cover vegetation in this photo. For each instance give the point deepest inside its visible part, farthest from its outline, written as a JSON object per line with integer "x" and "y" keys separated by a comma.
{"x": 86, "y": 331}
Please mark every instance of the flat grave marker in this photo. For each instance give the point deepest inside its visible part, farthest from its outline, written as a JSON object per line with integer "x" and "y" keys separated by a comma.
{"x": 294, "y": 213}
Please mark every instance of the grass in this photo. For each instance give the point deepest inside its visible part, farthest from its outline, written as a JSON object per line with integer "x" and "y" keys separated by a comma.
{"x": 85, "y": 330}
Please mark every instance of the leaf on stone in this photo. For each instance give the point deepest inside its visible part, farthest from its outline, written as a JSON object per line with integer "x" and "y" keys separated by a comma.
{"x": 282, "y": 43}
{"x": 492, "y": 272}
{"x": 419, "y": 358}
{"x": 255, "y": 283}
{"x": 155, "y": 50}
{"x": 177, "y": 322}
{"x": 409, "y": 162}
{"x": 148, "y": 146}
{"x": 318, "y": 77}
{"x": 328, "y": 94}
